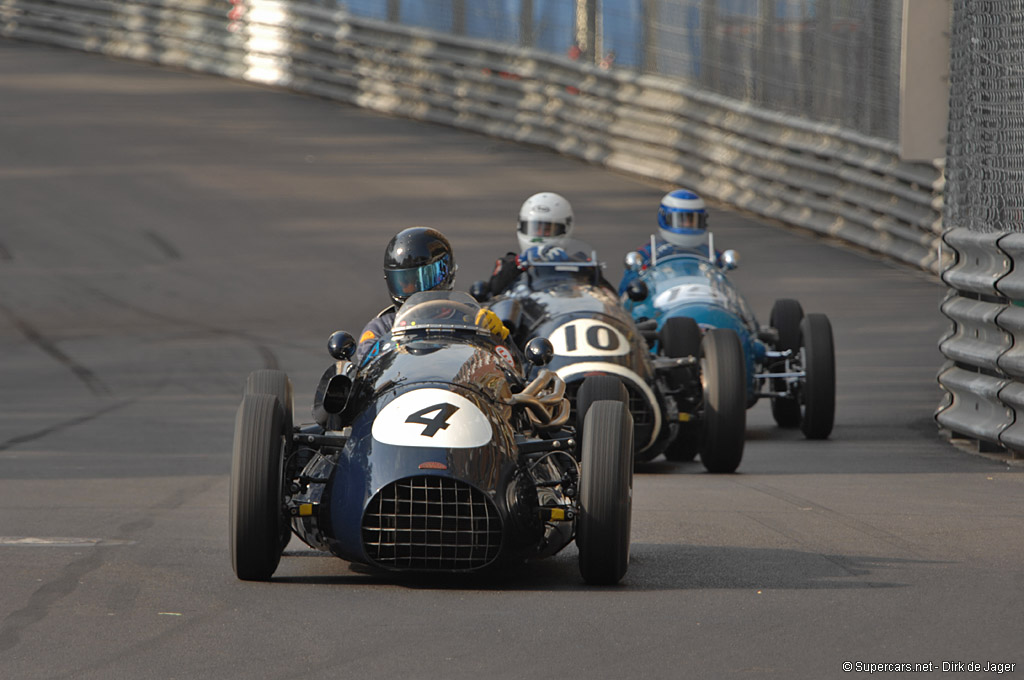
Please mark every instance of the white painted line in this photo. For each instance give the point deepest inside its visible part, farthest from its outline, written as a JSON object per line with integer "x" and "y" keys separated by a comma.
{"x": 57, "y": 542}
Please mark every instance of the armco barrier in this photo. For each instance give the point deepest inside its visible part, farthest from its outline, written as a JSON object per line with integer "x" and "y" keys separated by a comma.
{"x": 984, "y": 377}
{"x": 819, "y": 177}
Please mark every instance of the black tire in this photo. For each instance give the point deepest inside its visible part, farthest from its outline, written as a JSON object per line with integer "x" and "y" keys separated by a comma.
{"x": 785, "y": 318}
{"x": 723, "y": 377}
{"x": 679, "y": 337}
{"x": 271, "y": 381}
{"x": 819, "y": 391}
{"x": 256, "y": 518}
{"x": 598, "y": 388}
{"x": 606, "y": 493}
{"x": 275, "y": 382}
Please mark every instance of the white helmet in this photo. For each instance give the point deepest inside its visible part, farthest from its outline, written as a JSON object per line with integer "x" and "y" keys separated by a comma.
{"x": 682, "y": 219}
{"x": 544, "y": 219}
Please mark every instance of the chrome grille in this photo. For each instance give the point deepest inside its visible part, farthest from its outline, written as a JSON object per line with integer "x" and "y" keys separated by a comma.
{"x": 431, "y": 523}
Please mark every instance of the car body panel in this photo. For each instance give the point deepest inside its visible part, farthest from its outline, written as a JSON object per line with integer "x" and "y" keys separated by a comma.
{"x": 591, "y": 333}
{"x": 689, "y": 285}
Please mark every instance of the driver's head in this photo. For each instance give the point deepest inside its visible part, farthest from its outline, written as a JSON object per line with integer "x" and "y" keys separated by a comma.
{"x": 544, "y": 219}
{"x": 683, "y": 219}
{"x": 418, "y": 259}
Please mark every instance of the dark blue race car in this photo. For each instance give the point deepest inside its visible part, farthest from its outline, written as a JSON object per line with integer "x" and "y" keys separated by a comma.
{"x": 791, "y": 361}
{"x": 437, "y": 455}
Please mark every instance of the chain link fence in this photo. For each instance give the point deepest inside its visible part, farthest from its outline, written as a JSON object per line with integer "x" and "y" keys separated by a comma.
{"x": 983, "y": 377}
{"x": 985, "y": 152}
{"x": 831, "y": 61}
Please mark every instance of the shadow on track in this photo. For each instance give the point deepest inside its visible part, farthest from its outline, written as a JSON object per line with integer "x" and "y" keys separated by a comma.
{"x": 653, "y": 567}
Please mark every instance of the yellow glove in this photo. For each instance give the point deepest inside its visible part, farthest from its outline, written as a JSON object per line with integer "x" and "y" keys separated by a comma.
{"x": 489, "y": 321}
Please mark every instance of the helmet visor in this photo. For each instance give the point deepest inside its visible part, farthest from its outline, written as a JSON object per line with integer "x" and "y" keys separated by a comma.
{"x": 683, "y": 221}
{"x": 404, "y": 282}
{"x": 543, "y": 228}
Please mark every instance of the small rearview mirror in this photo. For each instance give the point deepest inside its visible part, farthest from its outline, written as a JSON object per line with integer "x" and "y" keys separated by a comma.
{"x": 634, "y": 261}
{"x": 730, "y": 260}
{"x": 341, "y": 345}
{"x": 637, "y": 290}
{"x": 539, "y": 351}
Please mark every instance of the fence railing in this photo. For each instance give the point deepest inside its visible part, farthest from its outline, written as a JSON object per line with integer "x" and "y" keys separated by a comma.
{"x": 810, "y": 175}
{"x": 983, "y": 377}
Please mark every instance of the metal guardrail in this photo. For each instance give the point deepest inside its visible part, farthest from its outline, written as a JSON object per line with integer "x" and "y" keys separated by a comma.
{"x": 822, "y": 178}
{"x": 984, "y": 377}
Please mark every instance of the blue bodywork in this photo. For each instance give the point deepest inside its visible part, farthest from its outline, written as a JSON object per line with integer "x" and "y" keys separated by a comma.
{"x": 689, "y": 285}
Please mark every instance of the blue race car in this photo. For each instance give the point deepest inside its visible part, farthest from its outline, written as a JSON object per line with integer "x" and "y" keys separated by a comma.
{"x": 791, "y": 361}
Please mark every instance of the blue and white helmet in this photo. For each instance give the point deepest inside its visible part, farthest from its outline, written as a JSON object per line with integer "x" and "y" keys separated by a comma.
{"x": 682, "y": 219}
{"x": 544, "y": 219}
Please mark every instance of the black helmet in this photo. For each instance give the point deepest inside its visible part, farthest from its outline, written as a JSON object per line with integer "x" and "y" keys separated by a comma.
{"x": 418, "y": 259}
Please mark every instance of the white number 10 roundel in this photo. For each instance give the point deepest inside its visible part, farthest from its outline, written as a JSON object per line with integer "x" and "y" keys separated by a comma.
{"x": 588, "y": 337}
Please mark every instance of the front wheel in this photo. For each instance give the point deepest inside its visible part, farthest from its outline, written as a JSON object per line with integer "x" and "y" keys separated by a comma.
{"x": 275, "y": 382}
{"x": 723, "y": 377}
{"x": 679, "y": 337}
{"x": 256, "y": 518}
{"x": 594, "y": 389}
{"x": 819, "y": 393}
{"x": 606, "y": 493}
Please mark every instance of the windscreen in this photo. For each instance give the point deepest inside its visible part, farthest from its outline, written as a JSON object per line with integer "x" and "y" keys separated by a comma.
{"x": 437, "y": 311}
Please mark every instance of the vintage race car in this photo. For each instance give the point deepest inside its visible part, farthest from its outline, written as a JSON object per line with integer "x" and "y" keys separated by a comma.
{"x": 438, "y": 456}
{"x": 696, "y": 395}
{"x": 791, "y": 361}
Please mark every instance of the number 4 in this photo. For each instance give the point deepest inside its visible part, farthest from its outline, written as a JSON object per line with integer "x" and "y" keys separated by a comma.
{"x": 438, "y": 422}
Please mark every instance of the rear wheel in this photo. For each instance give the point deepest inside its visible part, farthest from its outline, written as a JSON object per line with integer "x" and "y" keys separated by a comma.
{"x": 256, "y": 518}
{"x": 680, "y": 337}
{"x": 723, "y": 376}
{"x": 819, "y": 391}
{"x": 785, "y": 318}
{"x": 606, "y": 493}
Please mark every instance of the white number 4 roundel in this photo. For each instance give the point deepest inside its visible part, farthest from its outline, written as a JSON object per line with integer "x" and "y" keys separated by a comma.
{"x": 432, "y": 417}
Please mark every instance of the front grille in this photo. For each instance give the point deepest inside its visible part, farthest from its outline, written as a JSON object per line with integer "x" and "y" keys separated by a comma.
{"x": 431, "y": 523}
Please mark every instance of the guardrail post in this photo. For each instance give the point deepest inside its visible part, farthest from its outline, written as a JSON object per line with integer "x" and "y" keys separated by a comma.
{"x": 766, "y": 55}
{"x": 459, "y": 17}
{"x": 526, "y": 37}
{"x": 649, "y": 12}
{"x": 708, "y": 59}
{"x": 586, "y": 30}
{"x": 823, "y": 37}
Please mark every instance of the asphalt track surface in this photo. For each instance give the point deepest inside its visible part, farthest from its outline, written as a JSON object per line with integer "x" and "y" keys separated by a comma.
{"x": 162, "y": 234}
